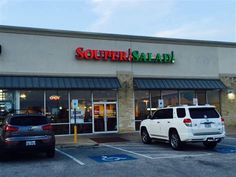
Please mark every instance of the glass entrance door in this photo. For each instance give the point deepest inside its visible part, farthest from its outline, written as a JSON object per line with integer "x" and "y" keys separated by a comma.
{"x": 104, "y": 117}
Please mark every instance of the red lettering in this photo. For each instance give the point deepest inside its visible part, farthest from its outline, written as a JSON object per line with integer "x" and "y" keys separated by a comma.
{"x": 107, "y": 54}
{"x": 88, "y": 54}
{"x": 130, "y": 57}
{"x": 122, "y": 56}
{"x": 96, "y": 57}
{"x": 79, "y": 53}
{"x": 114, "y": 55}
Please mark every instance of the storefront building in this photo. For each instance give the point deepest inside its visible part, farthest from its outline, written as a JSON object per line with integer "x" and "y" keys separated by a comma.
{"x": 115, "y": 81}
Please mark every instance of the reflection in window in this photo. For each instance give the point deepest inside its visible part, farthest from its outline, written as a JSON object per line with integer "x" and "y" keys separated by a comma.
{"x": 142, "y": 106}
{"x": 213, "y": 98}
{"x": 186, "y": 97}
{"x": 155, "y": 96}
{"x": 31, "y": 101}
{"x": 105, "y": 95}
{"x": 201, "y": 96}
{"x": 170, "y": 97}
{"x": 57, "y": 106}
{"x": 85, "y": 109}
{"x": 6, "y": 102}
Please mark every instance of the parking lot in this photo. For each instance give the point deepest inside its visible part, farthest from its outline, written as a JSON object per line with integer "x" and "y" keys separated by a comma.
{"x": 127, "y": 159}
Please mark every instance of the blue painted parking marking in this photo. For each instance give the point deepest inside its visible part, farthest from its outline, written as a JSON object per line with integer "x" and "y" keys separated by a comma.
{"x": 225, "y": 149}
{"x": 112, "y": 158}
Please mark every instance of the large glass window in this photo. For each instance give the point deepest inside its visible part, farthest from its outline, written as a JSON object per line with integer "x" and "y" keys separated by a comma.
{"x": 104, "y": 95}
{"x": 170, "y": 97}
{"x": 142, "y": 106}
{"x": 186, "y": 97}
{"x": 85, "y": 110}
{"x": 32, "y": 101}
{"x": 155, "y": 96}
{"x": 57, "y": 106}
{"x": 201, "y": 96}
{"x": 213, "y": 98}
{"x": 7, "y": 103}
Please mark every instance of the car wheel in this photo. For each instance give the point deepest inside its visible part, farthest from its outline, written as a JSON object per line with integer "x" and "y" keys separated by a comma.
{"x": 175, "y": 141}
{"x": 209, "y": 145}
{"x": 51, "y": 153}
{"x": 145, "y": 137}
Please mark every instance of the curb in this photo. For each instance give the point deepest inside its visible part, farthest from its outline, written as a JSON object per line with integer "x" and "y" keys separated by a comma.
{"x": 76, "y": 145}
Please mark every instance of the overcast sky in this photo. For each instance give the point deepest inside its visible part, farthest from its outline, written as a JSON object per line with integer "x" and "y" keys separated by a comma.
{"x": 189, "y": 19}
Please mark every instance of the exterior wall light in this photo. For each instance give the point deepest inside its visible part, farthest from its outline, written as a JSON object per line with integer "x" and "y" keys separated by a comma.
{"x": 231, "y": 95}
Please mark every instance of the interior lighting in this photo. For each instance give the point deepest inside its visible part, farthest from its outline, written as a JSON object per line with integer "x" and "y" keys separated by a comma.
{"x": 23, "y": 96}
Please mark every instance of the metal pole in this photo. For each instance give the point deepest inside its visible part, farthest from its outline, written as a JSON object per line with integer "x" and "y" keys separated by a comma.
{"x": 75, "y": 128}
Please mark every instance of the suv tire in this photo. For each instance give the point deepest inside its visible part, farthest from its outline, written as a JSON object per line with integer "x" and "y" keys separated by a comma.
{"x": 175, "y": 141}
{"x": 209, "y": 145}
{"x": 145, "y": 137}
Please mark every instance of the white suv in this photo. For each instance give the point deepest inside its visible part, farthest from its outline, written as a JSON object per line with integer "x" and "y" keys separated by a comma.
{"x": 181, "y": 124}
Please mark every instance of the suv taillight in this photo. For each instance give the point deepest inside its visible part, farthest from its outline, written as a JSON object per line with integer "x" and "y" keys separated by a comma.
{"x": 222, "y": 120}
{"x": 47, "y": 127}
{"x": 187, "y": 122}
{"x": 10, "y": 128}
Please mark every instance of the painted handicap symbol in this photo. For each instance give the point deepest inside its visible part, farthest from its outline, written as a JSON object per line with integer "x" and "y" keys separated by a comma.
{"x": 112, "y": 158}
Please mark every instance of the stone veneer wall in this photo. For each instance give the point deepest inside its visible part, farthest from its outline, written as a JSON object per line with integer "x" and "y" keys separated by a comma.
{"x": 228, "y": 107}
{"x": 126, "y": 120}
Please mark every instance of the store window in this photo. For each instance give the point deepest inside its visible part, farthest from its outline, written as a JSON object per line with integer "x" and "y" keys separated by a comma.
{"x": 186, "y": 97}
{"x": 170, "y": 97}
{"x": 31, "y": 101}
{"x": 7, "y": 103}
{"x": 213, "y": 98}
{"x": 57, "y": 106}
{"x": 142, "y": 107}
{"x": 104, "y": 96}
{"x": 201, "y": 96}
{"x": 84, "y": 109}
{"x": 155, "y": 96}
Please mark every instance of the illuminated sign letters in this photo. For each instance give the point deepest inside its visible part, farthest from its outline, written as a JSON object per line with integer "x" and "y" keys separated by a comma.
{"x": 123, "y": 56}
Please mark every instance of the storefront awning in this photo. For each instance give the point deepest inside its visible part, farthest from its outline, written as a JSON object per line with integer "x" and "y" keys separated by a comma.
{"x": 154, "y": 83}
{"x": 48, "y": 82}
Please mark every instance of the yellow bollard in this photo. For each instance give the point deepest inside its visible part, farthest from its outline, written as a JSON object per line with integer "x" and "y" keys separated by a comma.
{"x": 75, "y": 135}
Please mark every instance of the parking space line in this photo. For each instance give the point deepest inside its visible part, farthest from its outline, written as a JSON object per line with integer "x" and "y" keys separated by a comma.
{"x": 131, "y": 152}
{"x": 150, "y": 155}
{"x": 70, "y": 156}
{"x": 168, "y": 156}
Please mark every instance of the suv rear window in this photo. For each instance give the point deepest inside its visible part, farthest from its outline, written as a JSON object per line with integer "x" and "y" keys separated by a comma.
{"x": 181, "y": 112}
{"x": 28, "y": 120}
{"x": 201, "y": 113}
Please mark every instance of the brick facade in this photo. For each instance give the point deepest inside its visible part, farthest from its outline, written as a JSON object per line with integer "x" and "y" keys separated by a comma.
{"x": 228, "y": 107}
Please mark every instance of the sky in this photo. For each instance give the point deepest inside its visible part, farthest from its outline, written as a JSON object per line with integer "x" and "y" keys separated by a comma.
{"x": 213, "y": 20}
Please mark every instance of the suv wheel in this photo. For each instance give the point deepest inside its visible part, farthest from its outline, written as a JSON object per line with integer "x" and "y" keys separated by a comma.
{"x": 145, "y": 137}
{"x": 50, "y": 153}
{"x": 210, "y": 145}
{"x": 175, "y": 141}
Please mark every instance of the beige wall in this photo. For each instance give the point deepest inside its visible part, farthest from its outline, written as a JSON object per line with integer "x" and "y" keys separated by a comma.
{"x": 51, "y": 55}
{"x": 35, "y": 54}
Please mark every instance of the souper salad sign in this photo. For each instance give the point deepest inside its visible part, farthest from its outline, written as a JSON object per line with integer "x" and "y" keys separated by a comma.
{"x": 124, "y": 56}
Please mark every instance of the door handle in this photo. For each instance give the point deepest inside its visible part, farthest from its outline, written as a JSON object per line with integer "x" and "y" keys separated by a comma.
{"x": 168, "y": 122}
{"x": 158, "y": 122}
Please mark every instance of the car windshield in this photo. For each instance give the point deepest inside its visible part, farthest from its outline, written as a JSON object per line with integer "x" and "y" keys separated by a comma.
{"x": 28, "y": 120}
{"x": 201, "y": 113}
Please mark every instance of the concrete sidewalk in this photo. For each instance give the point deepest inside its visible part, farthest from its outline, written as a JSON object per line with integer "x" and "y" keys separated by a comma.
{"x": 85, "y": 140}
